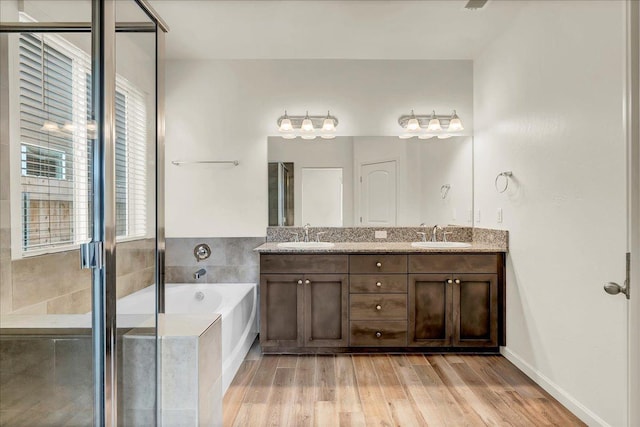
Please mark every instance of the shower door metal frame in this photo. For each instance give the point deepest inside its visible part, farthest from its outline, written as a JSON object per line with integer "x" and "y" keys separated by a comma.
{"x": 104, "y": 333}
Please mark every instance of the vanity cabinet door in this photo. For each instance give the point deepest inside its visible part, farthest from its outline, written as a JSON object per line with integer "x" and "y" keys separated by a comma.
{"x": 430, "y": 316}
{"x": 326, "y": 304}
{"x": 281, "y": 310}
{"x": 475, "y": 310}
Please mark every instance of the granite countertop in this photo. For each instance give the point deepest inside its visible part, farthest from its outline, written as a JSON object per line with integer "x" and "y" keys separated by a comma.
{"x": 379, "y": 247}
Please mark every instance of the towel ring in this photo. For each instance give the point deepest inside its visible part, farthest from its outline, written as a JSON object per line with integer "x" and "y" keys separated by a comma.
{"x": 506, "y": 175}
{"x": 444, "y": 190}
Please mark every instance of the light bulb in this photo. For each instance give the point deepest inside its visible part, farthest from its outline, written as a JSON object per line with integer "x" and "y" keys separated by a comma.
{"x": 307, "y": 124}
{"x": 308, "y": 136}
{"x": 413, "y": 124}
{"x": 455, "y": 124}
{"x": 289, "y": 136}
{"x": 327, "y": 136}
{"x": 434, "y": 123}
{"x": 49, "y": 126}
{"x": 406, "y": 136}
{"x": 425, "y": 136}
{"x": 444, "y": 136}
{"x": 285, "y": 123}
{"x": 328, "y": 125}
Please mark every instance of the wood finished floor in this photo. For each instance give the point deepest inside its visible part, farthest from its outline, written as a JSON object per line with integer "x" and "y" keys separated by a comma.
{"x": 387, "y": 390}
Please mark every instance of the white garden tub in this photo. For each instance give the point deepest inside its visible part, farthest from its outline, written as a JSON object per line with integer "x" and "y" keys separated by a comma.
{"x": 235, "y": 302}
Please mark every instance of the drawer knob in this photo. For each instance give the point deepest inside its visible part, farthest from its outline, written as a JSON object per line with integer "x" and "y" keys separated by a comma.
{"x": 378, "y": 307}
{"x": 379, "y": 284}
{"x": 457, "y": 281}
{"x": 306, "y": 282}
{"x": 300, "y": 282}
{"x": 378, "y": 334}
{"x": 378, "y": 264}
{"x": 449, "y": 281}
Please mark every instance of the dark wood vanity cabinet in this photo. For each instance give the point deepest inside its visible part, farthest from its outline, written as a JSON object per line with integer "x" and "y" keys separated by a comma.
{"x": 301, "y": 307}
{"x": 455, "y": 300}
{"x": 443, "y": 302}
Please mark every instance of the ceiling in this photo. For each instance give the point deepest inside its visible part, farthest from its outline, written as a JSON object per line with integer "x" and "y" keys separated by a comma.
{"x": 316, "y": 29}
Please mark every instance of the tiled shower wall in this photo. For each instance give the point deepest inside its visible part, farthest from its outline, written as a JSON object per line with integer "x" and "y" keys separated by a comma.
{"x": 55, "y": 284}
{"x": 232, "y": 260}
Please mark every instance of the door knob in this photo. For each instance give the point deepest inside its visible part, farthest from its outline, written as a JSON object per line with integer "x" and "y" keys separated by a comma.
{"x": 378, "y": 307}
{"x": 379, "y": 284}
{"x": 457, "y": 281}
{"x": 300, "y": 282}
{"x": 306, "y": 282}
{"x": 613, "y": 288}
{"x": 449, "y": 281}
{"x": 378, "y": 334}
{"x": 378, "y": 264}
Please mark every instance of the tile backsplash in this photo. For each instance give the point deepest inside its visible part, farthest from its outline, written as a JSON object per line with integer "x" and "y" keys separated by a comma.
{"x": 232, "y": 260}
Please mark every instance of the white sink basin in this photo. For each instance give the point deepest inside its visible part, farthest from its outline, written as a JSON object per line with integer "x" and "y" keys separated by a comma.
{"x": 305, "y": 245}
{"x": 435, "y": 245}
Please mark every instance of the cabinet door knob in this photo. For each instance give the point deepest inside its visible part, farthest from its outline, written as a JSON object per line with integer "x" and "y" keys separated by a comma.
{"x": 449, "y": 281}
{"x": 306, "y": 282}
{"x": 378, "y": 334}
{"x": 378, "y": 307}
{"x": 300, "y": 282}
{"x": 457, "y": 281}
{"x": 379, "y": 284}
{"x": 378, "y": 264}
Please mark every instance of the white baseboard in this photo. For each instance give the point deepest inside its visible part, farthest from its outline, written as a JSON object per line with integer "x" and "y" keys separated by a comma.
{"x": 578, "y": 409}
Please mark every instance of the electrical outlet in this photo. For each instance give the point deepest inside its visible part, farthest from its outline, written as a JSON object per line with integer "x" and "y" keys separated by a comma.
{"x": 381, "y": 234}
{"x": 478, "y": 217}
{"x": 499, "y": 216}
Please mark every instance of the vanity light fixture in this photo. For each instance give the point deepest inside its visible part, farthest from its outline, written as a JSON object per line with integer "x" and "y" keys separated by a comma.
{"x": 455, "y": 124}
{"x": 307, "y": 127}
{"x": 429, "y": 126}
{"x": 285, "y": 123}
{"x": 307, "y": 124}
{"x": 434, "y": 123}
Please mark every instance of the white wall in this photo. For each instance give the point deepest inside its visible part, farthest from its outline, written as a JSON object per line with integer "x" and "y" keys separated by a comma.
{"x": 448, "y": 161}
{"x": 318, "y": 153}
{"x": 547, "y": 104}
{"x": 224, "y": 110}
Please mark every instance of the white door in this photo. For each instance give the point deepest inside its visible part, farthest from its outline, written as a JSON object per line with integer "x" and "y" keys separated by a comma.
{"x": 378, "y": 194}
{"x": 322, "y": 190}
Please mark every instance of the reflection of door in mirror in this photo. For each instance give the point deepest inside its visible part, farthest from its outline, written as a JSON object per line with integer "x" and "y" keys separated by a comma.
{"x": 280, "y": 194}
{"x": 378, "y": 193}
{"x": 322, "y": 194}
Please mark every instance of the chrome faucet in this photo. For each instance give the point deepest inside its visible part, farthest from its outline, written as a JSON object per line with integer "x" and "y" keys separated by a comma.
{"x": 434, "y": 231}
{"x": 306, "y": 231}
{"x": 198, "y": 274}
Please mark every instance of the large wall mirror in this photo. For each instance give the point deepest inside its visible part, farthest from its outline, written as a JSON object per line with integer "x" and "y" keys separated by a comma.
{"x": 371, "y": 181}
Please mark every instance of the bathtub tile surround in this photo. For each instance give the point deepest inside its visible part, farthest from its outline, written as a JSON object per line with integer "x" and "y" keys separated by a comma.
{"x": 232, "y": 260}
{"x": 191, "y": 378}
{"x": 55, "y": 284}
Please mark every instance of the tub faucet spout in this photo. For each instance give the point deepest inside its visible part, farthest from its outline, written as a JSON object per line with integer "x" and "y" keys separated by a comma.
{"x": 198, "y": 274}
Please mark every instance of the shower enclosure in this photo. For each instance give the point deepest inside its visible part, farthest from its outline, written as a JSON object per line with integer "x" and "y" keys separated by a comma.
{"x": 81, "y": 210}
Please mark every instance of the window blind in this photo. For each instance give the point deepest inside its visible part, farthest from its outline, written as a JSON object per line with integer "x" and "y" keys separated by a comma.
{"x": 56, "y": 131}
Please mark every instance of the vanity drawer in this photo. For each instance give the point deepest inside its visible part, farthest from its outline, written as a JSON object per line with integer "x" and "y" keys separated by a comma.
{"x": 362, "y": 264}
{"x": 445, "y": 263}
{"x": 378, "y": 283}
{"x": 381, "y": 306}
{"x": 305, "y": 263}
{"x": 378, "y": 334}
